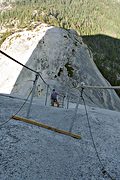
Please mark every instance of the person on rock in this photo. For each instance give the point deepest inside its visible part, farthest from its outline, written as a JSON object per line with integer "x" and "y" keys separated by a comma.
{"x": 54, "y": 95}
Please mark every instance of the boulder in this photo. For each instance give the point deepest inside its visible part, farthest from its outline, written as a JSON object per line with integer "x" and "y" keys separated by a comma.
{"x": 62, "y": 59}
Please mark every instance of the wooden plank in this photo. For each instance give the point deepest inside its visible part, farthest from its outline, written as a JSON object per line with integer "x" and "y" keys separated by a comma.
{"x": 30, "y": 121}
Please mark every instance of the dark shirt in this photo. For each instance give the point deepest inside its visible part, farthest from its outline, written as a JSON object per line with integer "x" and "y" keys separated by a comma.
{"x": 54, "y": 95}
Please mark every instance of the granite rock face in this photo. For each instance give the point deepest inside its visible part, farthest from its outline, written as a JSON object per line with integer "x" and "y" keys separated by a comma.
{"x": 62, "y": 59}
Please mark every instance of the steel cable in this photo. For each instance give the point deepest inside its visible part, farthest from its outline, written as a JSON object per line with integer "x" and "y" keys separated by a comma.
{"x": 97, "y": 154}
{"x": 17, "y": 111}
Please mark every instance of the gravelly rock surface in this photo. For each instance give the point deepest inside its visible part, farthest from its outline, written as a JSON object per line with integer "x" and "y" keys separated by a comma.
{"x": 31, "y": 153}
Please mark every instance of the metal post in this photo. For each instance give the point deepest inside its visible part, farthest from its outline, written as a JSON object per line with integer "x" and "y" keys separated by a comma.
{"x": 46, "y": 95}
{"x": 63, "y": 102}
{"x": 33, "y": 92}
{"x": 68, "y": 98}
{"x": 75, "y": 114}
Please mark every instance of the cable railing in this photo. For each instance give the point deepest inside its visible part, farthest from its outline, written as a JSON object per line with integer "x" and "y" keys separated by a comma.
{"x": 81, "y": 89}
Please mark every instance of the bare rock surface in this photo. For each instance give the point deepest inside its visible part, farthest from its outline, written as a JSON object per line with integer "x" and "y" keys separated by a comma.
{"x": 30, "y": 152}
{"x": 62, "y": 59}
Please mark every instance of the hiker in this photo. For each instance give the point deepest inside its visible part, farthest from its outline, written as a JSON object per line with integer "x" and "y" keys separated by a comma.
{"x": 54, "y": 98}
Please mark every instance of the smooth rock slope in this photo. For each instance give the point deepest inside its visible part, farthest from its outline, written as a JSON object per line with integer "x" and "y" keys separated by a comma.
{"x": 63, "y": 60}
